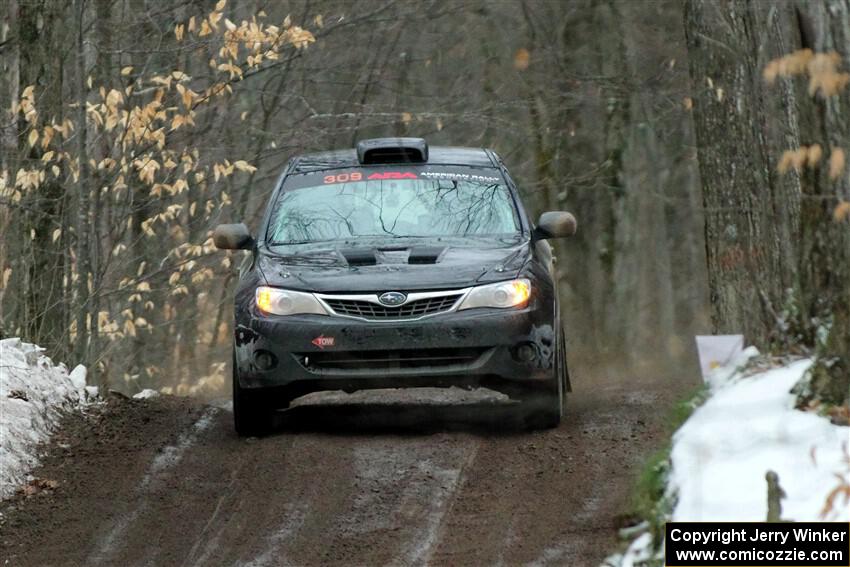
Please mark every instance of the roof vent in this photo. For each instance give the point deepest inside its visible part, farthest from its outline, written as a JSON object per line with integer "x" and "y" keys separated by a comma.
{"x": 392, "y": 150}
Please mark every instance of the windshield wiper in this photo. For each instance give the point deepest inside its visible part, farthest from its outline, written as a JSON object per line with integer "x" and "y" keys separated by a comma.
{"x": 293, "y": 242}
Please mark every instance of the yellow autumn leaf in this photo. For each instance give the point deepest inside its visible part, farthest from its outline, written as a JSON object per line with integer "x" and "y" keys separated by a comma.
{"x": 522, "y": 58}
{"x": 177, "y": 121}
{"x": 836, "y": 163}
{"x": 299, "y": 37}
{"x": 842, "y": 211}
{"x": 187, "y": 95}
{"x": 243, "y": 165}
{"x": 47, "y": 136}
{"x": 129, "y": 328}
{"x": 815, "y": 154}
{"x": 33, "y": 137}
{"x": 219, "y": 6}
{"x": 126, "y": 70}
{"x": 214, "y": 18}
{"x": 178, "y": 32}
{"x": 56, "y": 234}
{"x": 180, "y": 290}
{"x": 113, "y": 99}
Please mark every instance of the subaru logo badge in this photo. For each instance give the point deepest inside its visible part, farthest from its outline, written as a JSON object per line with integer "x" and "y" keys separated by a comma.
{"x": 392, "y": 298}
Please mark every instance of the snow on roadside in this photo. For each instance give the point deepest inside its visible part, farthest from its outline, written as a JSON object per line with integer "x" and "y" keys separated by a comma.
{"x": 33, "y": 394}
{"x": 747, "y": 427}
{"x": 146, "y": 394}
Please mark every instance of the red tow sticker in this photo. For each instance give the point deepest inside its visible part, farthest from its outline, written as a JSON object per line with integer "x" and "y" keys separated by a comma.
{"x": 322, "y": 341}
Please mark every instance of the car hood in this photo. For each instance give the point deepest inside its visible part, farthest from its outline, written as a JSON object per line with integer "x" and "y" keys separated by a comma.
{"x": 400, "y": 268}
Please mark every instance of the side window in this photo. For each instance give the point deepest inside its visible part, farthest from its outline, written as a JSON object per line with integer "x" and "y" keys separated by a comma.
{"x": 524, "y": 221}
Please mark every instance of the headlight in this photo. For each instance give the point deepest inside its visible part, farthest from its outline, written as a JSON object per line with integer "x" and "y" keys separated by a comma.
{"x": 514, "y": 293}
{"x": 287, "y": 302}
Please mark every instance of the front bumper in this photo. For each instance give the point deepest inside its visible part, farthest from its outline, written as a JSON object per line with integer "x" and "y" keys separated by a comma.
{"x": 507, "y": 350}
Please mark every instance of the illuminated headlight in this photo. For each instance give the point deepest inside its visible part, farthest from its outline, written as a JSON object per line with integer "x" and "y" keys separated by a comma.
{"x": 514, "y": 293}
{"x": 287, "y": 302}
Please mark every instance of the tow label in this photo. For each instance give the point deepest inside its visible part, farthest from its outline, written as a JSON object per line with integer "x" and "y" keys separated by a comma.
{"x": 322, "y": 341}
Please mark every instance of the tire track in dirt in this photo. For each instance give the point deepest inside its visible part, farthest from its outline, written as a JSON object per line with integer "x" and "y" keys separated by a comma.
{"x": 166, "y": 482}
{"x": 166, "y": 459}
{"x": 554, "y": 497}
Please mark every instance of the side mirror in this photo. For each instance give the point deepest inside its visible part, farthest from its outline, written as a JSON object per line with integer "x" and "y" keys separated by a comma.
{"x": 232, "y": 237}
{"x": 555, "y": 224}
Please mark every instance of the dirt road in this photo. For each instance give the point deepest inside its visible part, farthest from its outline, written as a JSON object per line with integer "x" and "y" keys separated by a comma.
{"x": 166, "y": 482}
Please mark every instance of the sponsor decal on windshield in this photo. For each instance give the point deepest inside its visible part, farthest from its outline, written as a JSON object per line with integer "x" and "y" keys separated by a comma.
{"x": 358, "y": 176}
{"x": 393, "y": 175}
{"x": 484, "y": 176}
{"x": 460, "y": 176}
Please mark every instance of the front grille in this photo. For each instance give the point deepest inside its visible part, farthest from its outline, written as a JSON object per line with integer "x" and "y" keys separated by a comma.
{"x": 376, "y": 312}
{"x": 390, "y": 359}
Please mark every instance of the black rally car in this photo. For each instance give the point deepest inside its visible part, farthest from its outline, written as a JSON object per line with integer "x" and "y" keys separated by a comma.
{"x": 396, "y": 265}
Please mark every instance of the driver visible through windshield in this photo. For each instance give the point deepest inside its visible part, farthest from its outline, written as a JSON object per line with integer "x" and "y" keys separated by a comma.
{"x": 392, "y": 208}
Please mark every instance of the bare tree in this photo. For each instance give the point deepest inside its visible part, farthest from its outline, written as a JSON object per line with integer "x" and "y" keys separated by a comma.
{"x": 769, "y": 91}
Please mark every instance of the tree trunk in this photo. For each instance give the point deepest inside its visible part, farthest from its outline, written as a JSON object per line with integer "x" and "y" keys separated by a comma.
{"x": 38, "y": 263}
{"x": 83, "y": 258}
{"x": 778, "y": 263}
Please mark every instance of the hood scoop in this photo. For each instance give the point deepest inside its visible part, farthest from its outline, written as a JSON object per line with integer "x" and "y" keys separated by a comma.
{"x": 392, "y": 255}
{"x": 425, "y": 254}
{"x": 359, "y": 256}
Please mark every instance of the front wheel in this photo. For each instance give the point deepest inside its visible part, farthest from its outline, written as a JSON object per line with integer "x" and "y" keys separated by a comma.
{"x": 544, "y": 407}
{"x": 252, "y": 416}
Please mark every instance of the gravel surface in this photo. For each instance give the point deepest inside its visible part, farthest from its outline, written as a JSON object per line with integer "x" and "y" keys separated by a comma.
{"x": 348, "y": 480}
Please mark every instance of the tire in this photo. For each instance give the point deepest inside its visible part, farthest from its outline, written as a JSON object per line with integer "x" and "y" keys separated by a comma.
{"x": 544, "y": 407}
{"x": 252, "y": 416}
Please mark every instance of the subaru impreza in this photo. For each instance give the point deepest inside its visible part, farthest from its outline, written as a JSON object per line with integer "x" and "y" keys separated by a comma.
{"x": 397, "y": 265}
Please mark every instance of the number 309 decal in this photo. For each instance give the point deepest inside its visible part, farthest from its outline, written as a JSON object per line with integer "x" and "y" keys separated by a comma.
{"x": 344, "y": 177}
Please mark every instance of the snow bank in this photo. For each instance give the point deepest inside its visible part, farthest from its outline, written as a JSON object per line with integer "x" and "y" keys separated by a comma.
{"x": 33, "y": 394}
{"x": 638, "y": 553}
{"x": 747, "y": 427}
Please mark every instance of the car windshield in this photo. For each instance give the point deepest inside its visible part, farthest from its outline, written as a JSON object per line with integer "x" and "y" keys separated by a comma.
{"x": 392, "y": 208}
